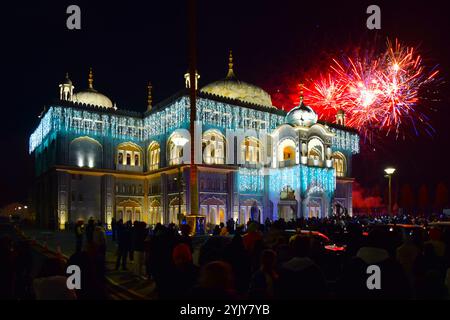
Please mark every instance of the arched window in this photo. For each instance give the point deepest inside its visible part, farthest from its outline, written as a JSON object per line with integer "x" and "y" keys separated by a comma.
{"x": 339, "y": 164}
{"x": 175, "y": 145}
{"x": 85, "y": 152}
{"x": 213, "y": 146}
{"x": 153, "y": 155}
{"x": 286, "y": 153}
{"x": 251, "y": 150}
{"x": 315, "y": 152}
{"x": 129, "y": 154}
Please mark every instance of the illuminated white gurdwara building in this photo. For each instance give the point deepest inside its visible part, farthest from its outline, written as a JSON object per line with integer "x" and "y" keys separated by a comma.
{"x": 94, "y": 159}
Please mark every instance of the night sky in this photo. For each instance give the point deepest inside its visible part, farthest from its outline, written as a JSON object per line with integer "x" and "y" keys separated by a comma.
{"x": 131, "y": 42}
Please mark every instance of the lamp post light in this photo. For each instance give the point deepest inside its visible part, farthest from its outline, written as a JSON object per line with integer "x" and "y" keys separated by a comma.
{"x": 389, "y": 172}
{"x": 180, "y": 188}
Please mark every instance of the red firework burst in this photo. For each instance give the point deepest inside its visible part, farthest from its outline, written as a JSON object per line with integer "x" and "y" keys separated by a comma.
{"x": 377, "y": 93}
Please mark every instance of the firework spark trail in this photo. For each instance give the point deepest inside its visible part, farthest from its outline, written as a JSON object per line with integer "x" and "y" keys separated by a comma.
{"x": 377, "y": 92}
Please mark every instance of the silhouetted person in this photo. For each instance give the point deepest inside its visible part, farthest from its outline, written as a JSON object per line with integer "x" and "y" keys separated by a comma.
{"x": 394, "y": 283}
{"x": 263, "y": 280}
{"x": 24, "y": 265}
{"x": 90, "y": 230}
{"x": 92, "y": 278}
{"x": 51, "y": 282}
{"x": 7, "y": 268}
{"x": 134, "y": 234}
{"x": 236, "y": 255}
{"x": 79, "y": 231}
{"x": 215, "y": 282}
{"x": 99, "y": 241}
{"x": 123, "y": 244}
{"x": 114, "y": 229}
{"x": 253, "y": 235}
{"x": 301, "y": 277}
{"x": 185, "y": 236}
{"x": 140, "y": 235}
{"x": 183, "y": 273}
{"x": 430, "y": 273}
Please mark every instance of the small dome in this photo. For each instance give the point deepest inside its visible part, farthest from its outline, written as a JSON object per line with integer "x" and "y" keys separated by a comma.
{"x": 67, "y": 79}
{"x": 92, "y": 97}
{"x": 302, "y": 115}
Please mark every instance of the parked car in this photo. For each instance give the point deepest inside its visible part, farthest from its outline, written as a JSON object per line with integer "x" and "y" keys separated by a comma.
{"x": 324, "y": 240}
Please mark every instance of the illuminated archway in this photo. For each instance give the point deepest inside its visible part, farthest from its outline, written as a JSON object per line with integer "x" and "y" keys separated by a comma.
{"x": 251, "y": 150}
{"x": 129, "y": 154}
{"x": 315, "y": 151}
{"x": 339, "y": 164}
{"x": 286, "y": 153}
{"x": 154, "y": 151}
{"x": 213, "y": 147}
{"x": 176, "y": 144}
{"x": 85, "y": 152}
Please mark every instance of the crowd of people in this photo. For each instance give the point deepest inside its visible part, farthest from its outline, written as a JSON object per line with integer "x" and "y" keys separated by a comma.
{"x": 264, "y": 261}
{"x": 270, "y": 260}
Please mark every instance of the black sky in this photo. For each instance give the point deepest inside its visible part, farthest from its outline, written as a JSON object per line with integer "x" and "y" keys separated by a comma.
{"x": 131, "y": 42}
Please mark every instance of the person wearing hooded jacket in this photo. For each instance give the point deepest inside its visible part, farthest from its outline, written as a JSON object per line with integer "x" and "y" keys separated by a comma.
{"x": 393, "y": 281}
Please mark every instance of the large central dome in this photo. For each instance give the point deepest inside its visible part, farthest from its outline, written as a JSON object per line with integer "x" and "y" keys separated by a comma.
{"x": 232, "y": 88}
{"x": 91, "y": 96}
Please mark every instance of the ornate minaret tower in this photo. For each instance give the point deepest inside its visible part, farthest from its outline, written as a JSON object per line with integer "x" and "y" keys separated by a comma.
{"x": 66, "y": 89}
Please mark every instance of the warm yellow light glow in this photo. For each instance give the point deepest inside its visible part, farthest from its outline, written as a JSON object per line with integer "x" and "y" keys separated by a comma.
{"x": 389, "y": 171}
{"x": 179, "y": 141}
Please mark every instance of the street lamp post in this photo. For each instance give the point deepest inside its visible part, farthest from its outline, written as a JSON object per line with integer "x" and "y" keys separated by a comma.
{"x": 180, "y": 186}
{"x": 389, "y": 172}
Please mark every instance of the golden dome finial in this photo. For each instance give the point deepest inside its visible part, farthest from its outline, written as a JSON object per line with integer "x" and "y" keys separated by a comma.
{"x": 230, "y": 74}
{"x": 91, "y": 79}
{"x": 149, "y": 96}
{"x": 300, "y": 85}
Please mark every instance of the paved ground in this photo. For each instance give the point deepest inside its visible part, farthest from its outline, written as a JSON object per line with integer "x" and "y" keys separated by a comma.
{"x": 64, "y": 242}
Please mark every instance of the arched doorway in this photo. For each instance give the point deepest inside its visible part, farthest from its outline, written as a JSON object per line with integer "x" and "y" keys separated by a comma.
{"x": 250, "y": 209}
{"x": 214, "y": 210}
{"x": 316, "y": 203}
{"x": 129, "y": 210}
{"x": 287, "y": 206}
{"x": 155, "y": 212}
{"x": 174, "y": 213}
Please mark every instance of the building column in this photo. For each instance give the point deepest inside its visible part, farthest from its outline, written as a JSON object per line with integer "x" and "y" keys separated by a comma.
{"x": 164, "y": 198}
{"x": 299, "y": 203}
{"x": 62, "y": 207}
{"x": 230, "y": 194}
{"x": 107, "y": 199}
